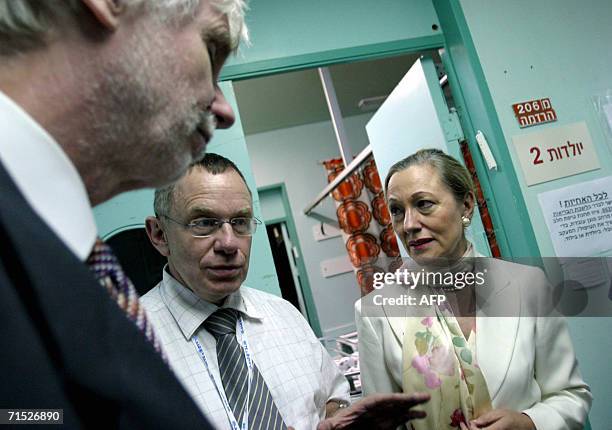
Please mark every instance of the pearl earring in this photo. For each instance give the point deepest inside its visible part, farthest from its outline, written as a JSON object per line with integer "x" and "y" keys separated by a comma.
{"x": 465, "y": 221}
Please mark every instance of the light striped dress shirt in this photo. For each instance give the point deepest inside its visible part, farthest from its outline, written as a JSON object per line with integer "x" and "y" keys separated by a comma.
{"x": 300, "y": 374}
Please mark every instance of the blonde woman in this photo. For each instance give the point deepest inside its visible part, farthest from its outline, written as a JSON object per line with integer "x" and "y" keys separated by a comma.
{"x": 496, "y": 373}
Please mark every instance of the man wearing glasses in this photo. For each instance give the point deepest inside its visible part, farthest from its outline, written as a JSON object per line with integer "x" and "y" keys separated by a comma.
{"x": 248, "y": 358}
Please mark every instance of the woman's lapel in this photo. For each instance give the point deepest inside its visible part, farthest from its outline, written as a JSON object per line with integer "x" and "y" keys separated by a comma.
{"x": 396, "y": 315}
{"x": 497, "y": 323}
{"x": 398, "y": 325}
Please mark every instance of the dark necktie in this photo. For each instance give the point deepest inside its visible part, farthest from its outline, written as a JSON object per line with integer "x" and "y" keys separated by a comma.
{"x": 263, "y": 413}
{"x": 107, "y": 270}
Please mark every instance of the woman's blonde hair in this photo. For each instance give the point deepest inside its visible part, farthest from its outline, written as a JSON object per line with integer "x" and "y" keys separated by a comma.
{"x": 452, "y": 173}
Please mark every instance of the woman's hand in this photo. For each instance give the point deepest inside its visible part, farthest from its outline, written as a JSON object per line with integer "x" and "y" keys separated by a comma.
{"x": 501, "y": 419}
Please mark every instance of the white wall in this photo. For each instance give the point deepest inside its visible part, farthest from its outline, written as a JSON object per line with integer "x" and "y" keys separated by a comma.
{"x": 293, "y": 156}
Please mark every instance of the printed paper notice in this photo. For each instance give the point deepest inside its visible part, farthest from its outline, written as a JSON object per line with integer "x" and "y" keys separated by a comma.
{"x": 579, "y": 218}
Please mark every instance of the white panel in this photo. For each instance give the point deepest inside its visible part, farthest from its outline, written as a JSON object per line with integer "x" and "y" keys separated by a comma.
{"x": 323, "y": 231}
{"x": 556, "y": 152}
{"x": 412, "y": 118}
{"x": 406, "y": 122}
{"x": 336, "y": 266}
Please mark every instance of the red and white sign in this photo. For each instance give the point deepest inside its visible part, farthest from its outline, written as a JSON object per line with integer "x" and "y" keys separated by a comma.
{"x": 534, "y": 112}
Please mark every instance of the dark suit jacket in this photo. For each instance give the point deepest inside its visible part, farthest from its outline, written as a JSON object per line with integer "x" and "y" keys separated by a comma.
{"x": 66, "y": 345}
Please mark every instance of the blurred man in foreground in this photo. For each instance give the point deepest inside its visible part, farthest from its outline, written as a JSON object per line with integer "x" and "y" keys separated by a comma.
{"x": 97, "y": 97}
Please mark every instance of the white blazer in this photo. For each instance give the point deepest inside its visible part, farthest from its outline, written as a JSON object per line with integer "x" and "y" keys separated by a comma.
{"x": 528, "y": 362}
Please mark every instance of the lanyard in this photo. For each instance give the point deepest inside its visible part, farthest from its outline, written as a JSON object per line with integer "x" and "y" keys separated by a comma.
{"x": 220, "y": 391}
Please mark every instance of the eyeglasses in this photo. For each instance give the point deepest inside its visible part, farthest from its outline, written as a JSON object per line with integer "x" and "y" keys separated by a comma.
{"x": 205, "y": 227}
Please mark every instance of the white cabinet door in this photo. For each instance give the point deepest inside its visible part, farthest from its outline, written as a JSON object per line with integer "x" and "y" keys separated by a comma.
{"x": 413, "y": 117}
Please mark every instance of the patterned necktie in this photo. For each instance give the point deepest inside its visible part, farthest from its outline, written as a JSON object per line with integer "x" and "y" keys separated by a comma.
{"x": 263, "y": 414}
{"x": 107, "y": 270}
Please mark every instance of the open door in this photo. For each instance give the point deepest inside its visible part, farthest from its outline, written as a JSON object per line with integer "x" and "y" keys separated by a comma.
{"x": 285, "y": 254}
{"x": 416, "y": 116}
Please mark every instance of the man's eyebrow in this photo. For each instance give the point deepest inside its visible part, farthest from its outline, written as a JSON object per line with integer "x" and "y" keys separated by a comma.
{"x": 220, "y": 36}
{"x": 245, "y": 212}
{"x": 207, "y": 213}
{"x": 201, "y": 212}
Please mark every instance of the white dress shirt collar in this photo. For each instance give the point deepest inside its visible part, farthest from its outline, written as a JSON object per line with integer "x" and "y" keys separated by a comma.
{"x": 190, "y": 311}
{"x": 46, "y": 177}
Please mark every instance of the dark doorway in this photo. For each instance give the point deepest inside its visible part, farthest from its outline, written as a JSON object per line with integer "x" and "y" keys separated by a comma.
{"x": 138, "y": 258}
{"x": 283, "y": 264}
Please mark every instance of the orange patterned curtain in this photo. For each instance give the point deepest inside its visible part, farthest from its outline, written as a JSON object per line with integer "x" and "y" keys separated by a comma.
{"x": 365, "y": 221}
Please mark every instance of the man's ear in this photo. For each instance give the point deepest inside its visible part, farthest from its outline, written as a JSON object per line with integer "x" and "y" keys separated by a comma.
{"x": 156, "y": 235}
{"x": 107, "y": 12}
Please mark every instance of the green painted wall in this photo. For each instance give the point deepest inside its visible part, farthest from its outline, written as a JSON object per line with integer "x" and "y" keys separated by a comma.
{"x": 271, "y": 204}
{"x": 560, "y": 50}
{"x": 289, "y": 34}
{"x": 130, "y": 209}
{"x": 557, "y": 49}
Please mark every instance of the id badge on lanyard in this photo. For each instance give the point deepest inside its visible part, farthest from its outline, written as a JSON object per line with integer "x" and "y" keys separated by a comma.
{"x": 219, "y": 386}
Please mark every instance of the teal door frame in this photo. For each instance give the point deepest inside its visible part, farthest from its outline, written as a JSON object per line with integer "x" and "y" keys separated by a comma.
{"x": 326, "y": 58}
{"x": 514, "y": 231}
{"x": 475, "y": 106}
{"x": 311, "y": 310}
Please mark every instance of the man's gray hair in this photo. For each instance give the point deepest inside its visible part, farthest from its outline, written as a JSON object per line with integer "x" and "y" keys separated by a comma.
{"x": 25, "y": 24}
{"x": 211, "y": 163}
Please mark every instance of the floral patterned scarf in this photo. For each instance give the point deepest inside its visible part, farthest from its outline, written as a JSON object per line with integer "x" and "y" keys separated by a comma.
{"x": 440, "y": 361}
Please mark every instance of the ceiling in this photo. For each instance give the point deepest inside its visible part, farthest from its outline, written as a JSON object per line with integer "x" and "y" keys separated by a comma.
{"x": 297, "y": 98}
